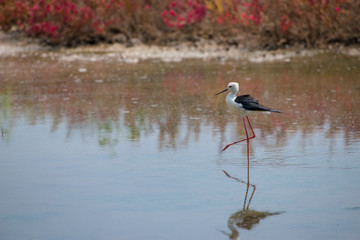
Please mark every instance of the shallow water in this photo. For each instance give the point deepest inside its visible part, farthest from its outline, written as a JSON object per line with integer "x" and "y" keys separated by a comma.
{"x": 95, "y": 149}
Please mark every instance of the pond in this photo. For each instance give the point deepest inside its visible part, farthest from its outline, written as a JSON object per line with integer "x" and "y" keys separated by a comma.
{"x": 94, "y": 148}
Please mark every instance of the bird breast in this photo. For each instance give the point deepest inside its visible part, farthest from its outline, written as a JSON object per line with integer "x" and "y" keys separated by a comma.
{"x": 234, "y": 106}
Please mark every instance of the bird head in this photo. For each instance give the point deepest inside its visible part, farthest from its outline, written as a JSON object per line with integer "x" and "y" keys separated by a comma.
{"x": 232, "y": 87}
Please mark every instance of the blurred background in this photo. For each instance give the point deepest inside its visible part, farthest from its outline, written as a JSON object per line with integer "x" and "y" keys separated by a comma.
{"x": 110, "y": 127}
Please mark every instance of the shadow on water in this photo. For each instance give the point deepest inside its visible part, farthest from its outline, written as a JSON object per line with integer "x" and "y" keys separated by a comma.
{"x": 245, "y": 218}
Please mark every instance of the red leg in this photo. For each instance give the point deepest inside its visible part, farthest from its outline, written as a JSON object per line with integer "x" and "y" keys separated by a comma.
{"x": 247, "y": 138}
{"x": 252, "y": 194}
{"x": 253, "y": 133}
{"x": 248, "y": 158}
{"x": 248, "y": 165}
{"x": 247, "y": 145}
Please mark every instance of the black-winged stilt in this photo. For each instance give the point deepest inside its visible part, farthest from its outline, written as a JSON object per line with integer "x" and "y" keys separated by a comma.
{"x": 243, "y": 105}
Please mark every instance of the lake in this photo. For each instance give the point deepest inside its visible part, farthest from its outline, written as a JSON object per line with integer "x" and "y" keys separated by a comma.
{"x": 95, "y": 148}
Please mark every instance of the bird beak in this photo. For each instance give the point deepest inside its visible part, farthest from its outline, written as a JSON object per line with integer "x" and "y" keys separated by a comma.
{"x": 221, "y": 92}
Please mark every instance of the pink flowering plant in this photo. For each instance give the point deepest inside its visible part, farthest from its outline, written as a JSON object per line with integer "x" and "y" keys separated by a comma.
{"x": 312, "y": 22}
{"x": 276, "y": 22}
{"x": 181, "y": 13}
{"x": 70, "y": 21}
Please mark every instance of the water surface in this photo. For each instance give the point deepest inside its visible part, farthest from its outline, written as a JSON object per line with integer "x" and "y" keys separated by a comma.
{"x": 107, "y": 150}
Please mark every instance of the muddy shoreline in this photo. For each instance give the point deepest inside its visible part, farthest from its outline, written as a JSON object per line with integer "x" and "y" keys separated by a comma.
{"x": 12, "y": 45}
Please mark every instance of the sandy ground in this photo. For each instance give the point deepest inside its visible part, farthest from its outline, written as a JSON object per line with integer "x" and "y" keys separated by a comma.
{"x": 13, "y": 46}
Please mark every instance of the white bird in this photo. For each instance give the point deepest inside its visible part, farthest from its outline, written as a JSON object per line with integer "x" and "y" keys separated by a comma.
{"x": 243, "y": 105}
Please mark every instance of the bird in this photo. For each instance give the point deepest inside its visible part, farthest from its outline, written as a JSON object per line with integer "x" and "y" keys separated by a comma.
{"x": 243, "y": 105}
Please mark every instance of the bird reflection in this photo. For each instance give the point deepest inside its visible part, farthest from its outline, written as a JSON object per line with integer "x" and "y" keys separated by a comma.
{"x": 245, "y": 218}
{"x": 248, "y": 184}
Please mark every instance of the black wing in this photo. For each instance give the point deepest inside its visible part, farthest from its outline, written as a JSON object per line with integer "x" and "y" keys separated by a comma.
{"x": 252, "y": 104}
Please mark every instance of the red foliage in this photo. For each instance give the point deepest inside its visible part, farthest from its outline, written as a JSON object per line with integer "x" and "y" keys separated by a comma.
{"x": 285, "y": 23}
{"x": 62, "y": 20}
{"x": 239, "y": 12}
{"x": 181, "y": 13}
{"x": 68, "y": 21}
